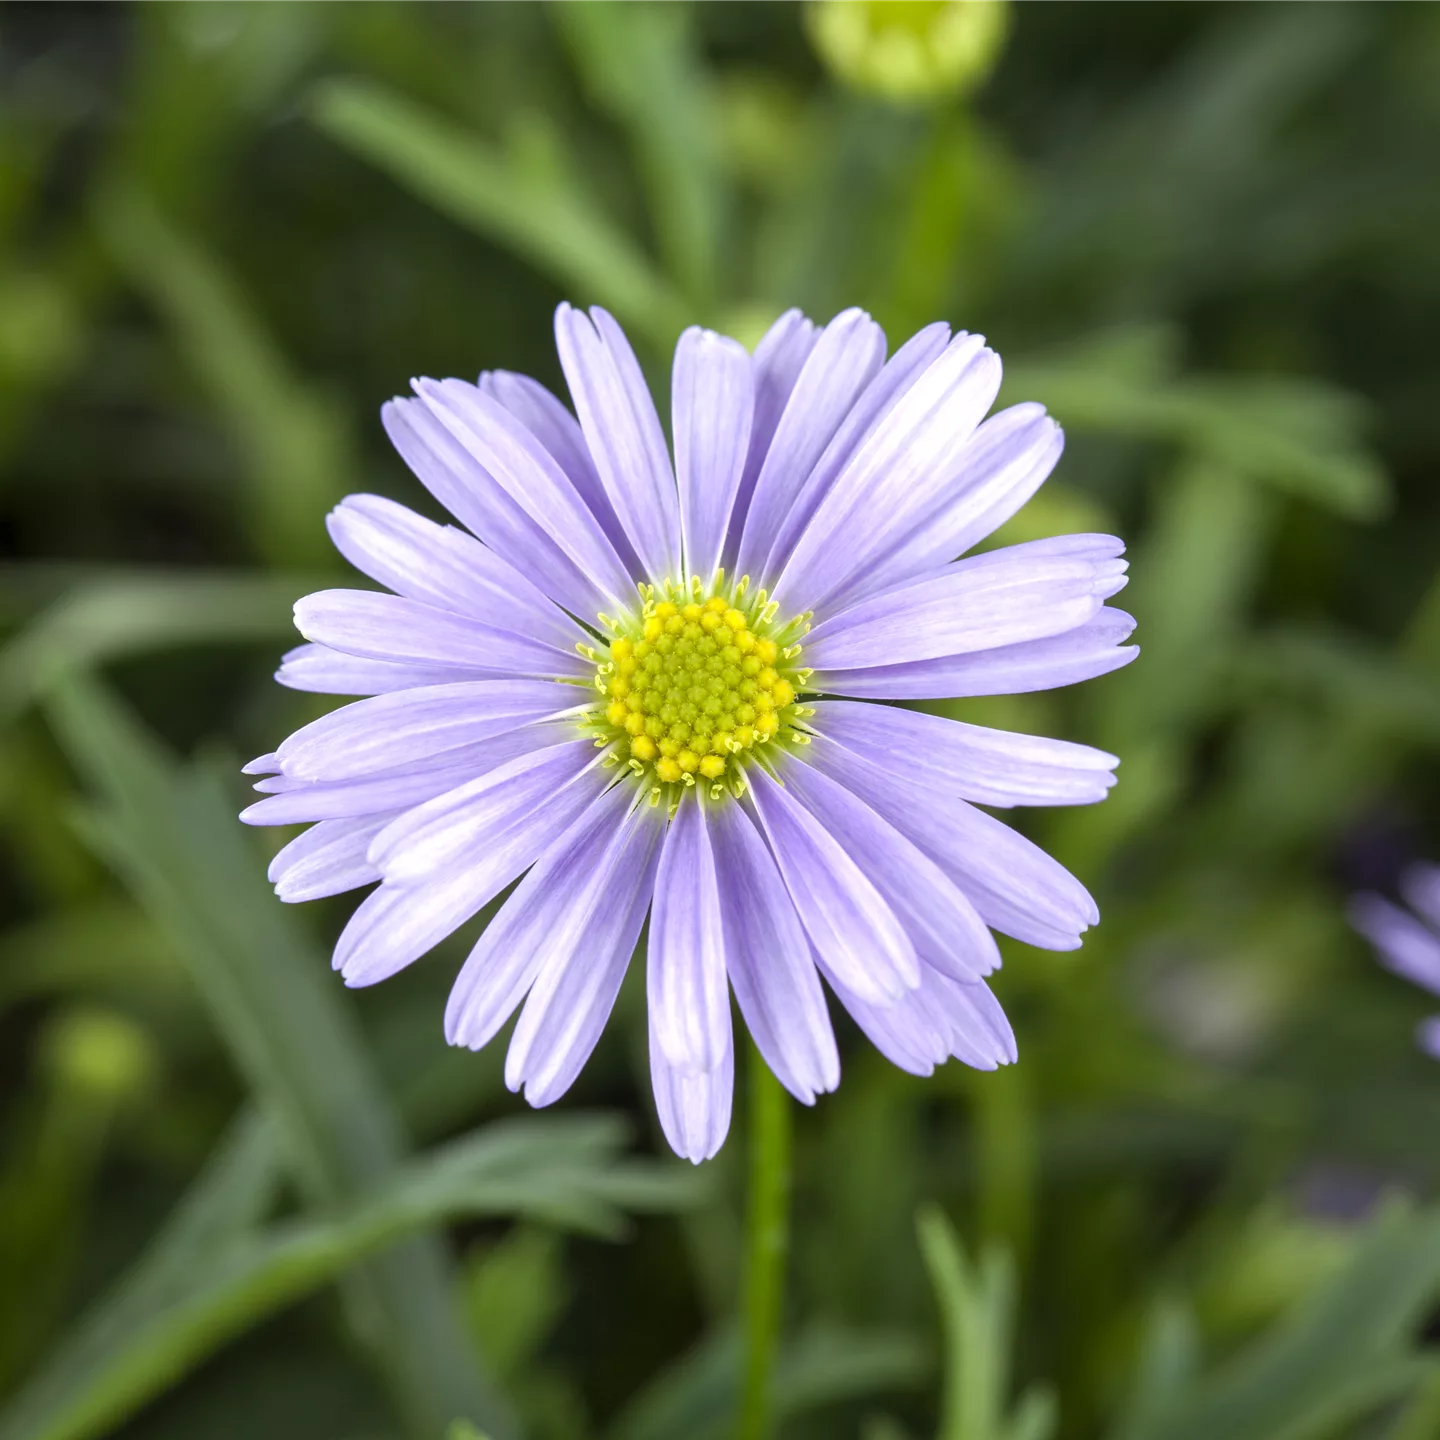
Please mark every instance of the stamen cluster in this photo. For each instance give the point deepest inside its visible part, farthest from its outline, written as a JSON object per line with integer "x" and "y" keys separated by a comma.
{"x": 695, "y": 685}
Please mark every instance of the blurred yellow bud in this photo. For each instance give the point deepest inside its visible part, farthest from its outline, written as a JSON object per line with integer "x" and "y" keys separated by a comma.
{"x": 100, "y": 1054}
{"x": 909, "y": 51}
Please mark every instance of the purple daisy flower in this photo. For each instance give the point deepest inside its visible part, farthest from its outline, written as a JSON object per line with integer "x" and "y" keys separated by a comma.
{"x": 1408, "y": 941}
{"x": 609, "y": 689}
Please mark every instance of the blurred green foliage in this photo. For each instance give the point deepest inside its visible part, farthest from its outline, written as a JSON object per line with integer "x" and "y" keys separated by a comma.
{"x": 236, "y": 1199}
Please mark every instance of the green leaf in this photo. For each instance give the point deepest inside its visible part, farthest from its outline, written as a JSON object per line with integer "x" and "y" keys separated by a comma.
{"x": 515, "y": 1294}
{"x": 977, "y": 1314}
{"x": 639, "y": 63}
{"x": 112, "y": 615}
{"x": 106, "y": 946}
{"x": 212, "y": 1275}
{"x": 536, "y": 210}
{"x": 1348, "y": 676}
{"x": 696, "y": 1398}
{"x": 173, "y": 838}
{"x": 1341, "y": 1356}
{"x": 1169, "y": 1362}
{"x": 294, "y": 441}
{"x": 1297, "y": 436}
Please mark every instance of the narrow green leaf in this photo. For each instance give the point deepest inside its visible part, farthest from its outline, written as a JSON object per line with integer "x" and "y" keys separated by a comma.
{"x": 117, "y": 614}
{"x": 293, "y": 440}
{"x": 974, "y": 1316}
{"x": 696, "y": 1398}
{"x": 1343, "y": 1355}
{"x": 174, "y": 839}
{"x": 538, "y": 211}
{"x": 213, "y": 1275}
{"x": 1420, "y": 1420}
{"x": 1036, "y": 1417}
{"x": 1169, "y": 1361}
{"x": 515, "y": 1294}
{"x": 230, "y": 1196}
{"x": 1300, "y": 437}
{"x": 105, "y": 947}
{"x": 639, "y": 63}
{"x": 1394, "y": 697}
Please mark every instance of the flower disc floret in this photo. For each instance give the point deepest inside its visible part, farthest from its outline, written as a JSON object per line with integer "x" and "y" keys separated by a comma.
{"x": 694, "y": 688}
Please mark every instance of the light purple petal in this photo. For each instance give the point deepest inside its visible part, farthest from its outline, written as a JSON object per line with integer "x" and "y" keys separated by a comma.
{"x": 1004, "y": 597}
{"x": 1002, "y": 465}
{"x": 778, "y": 360}
{"x": 551, "y": 423}
{"x": 685, "y": 978}
{"x": 1017, "y": 888}
{"x": 528, "y": 474}
{"x": 324, "y": 671}
{"x": 377, "y": 626}
{"x": 262, "y": 765}
{"x": 942, "y": 924}
{"x": 988, "y": 767}
{"x": 516, "y": 807}
{"x": 1420, "y": 885}
{"x": 1405, "y": 945}
{"x": 1089, "y": 650}
{"x": 488, "y": 846}
{"x": 937, "y": 1020}
{"x": 892, "y": 480}
{"x": 853, "y": 931}
{"x": 576, "y": 986}
{"x": 444, "y": 567}
{"x": 693, "y": 1105}
{"x": 328, "y": 859}
{"x": 880, "y": 396}
{"x": 471, "y": 494}
{"x": 769, "y": 961}
{"x": 417, "y": 726}
{"x": 846, "y": 357}
{"x": 539, "y": 919}
{"x": 623, "y": 433}
{"x": 980, "y": 1031}
{"x": 298, "y": 802}
{"x": 712, "y": 404}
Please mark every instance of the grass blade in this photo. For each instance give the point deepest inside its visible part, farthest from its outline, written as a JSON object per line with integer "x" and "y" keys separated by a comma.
{"x": 174, "y": 840}
{"x": 213, "y": 1275}
{"x": 534, "y": 210}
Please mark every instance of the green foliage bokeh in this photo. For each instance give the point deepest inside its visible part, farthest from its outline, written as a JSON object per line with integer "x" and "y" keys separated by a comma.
{"x": 237, "y": 1201}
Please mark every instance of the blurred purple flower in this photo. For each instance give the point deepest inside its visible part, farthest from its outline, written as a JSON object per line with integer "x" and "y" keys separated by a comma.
{"x": 577, "y": 692}
{"x": 1408, "y": 941}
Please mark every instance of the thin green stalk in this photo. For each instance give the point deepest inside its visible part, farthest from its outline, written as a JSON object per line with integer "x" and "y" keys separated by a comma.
{"x": 767, "y": 1243}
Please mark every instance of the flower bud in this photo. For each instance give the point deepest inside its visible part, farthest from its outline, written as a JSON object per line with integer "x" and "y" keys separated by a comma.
{"x": 910, "y": 52}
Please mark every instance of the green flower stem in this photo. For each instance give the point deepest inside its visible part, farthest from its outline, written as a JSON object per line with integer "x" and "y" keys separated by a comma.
{"x": 767, "y": 1244}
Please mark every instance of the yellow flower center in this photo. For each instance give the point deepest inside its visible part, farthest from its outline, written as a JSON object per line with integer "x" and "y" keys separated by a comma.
{"x": 692, "y": 688}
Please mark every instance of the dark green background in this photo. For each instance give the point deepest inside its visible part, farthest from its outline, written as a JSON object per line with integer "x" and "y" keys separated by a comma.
{"x": 1207, "y": 237}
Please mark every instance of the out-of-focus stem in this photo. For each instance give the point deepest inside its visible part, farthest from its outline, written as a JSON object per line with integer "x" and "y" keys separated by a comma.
{"x": 766, "y": 1246}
